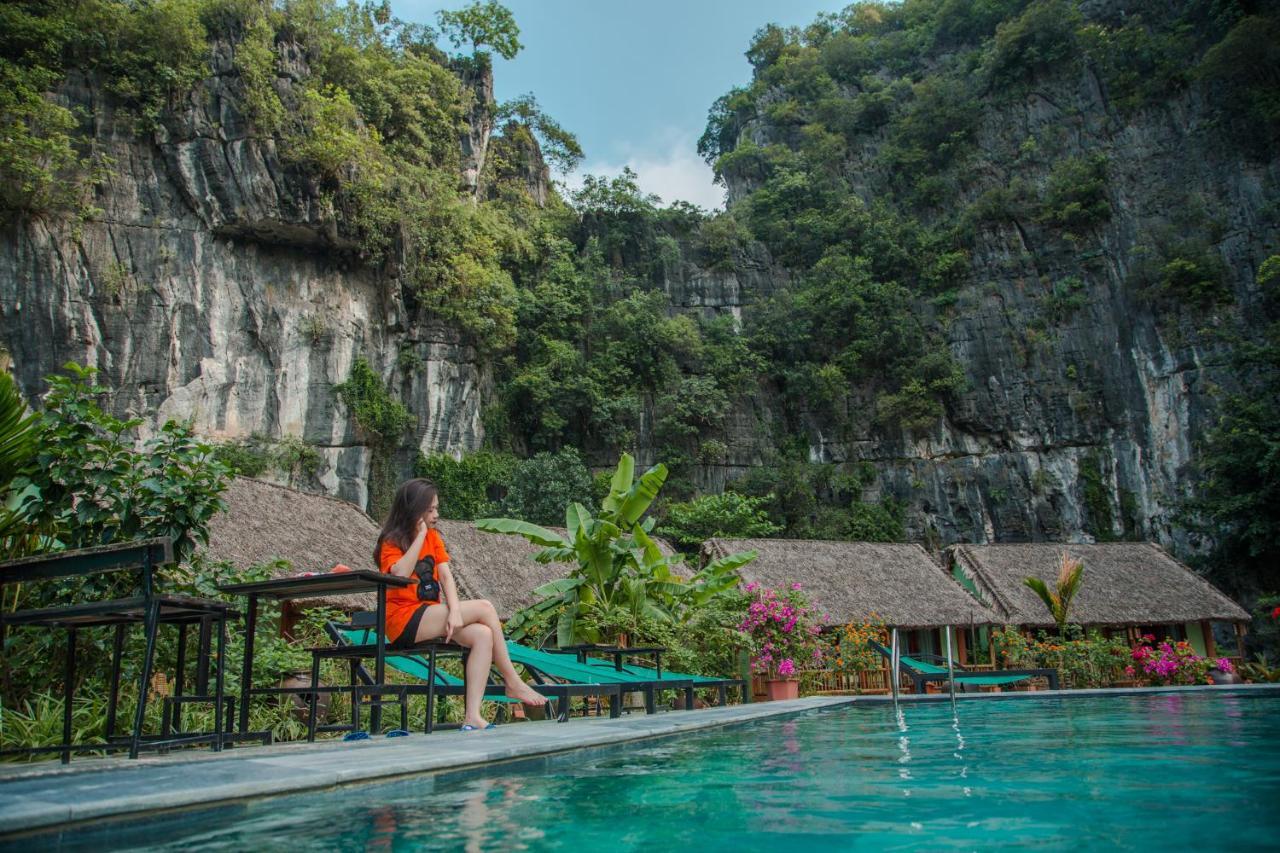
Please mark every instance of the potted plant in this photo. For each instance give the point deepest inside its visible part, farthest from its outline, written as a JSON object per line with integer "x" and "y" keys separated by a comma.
{"x": 783, "y": 632}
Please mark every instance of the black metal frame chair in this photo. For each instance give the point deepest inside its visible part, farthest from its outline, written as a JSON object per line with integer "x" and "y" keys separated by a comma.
{"x": 148, "y": 609}
{"x": 362, "y": 683}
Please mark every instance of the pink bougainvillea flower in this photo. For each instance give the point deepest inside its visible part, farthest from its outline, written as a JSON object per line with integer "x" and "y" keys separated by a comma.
{"x": 787, "y": 667}
{"x": 752, "y": 587}
{"x": 797, "y": 586}
{"x": 1224, "y": 665}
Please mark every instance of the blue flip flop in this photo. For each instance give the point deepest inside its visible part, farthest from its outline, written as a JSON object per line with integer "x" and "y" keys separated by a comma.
{"x": 355, "y": 736}
{"x": 397, "y": 733}
{"x": 467, "y": 727}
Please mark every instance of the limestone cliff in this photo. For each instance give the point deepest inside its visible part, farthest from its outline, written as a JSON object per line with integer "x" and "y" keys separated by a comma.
{"x": 216, "y": 286}
{"x": 1082, "y": 410}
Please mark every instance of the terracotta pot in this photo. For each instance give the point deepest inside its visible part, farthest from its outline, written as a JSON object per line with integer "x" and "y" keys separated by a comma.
{"x": 787, "y": 688}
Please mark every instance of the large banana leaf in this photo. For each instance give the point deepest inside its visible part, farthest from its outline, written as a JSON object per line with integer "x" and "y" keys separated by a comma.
{"x": 17, "y": 431}
{"x": 558, "y": 587}
{"x": 620, "y": 485}
{"x": 565, "y": 626}
{"x": 575, "y": 518}
{"x": 535, "y": 534}
{"x": 641, "y": 495}
{"x": 727, "y": 564}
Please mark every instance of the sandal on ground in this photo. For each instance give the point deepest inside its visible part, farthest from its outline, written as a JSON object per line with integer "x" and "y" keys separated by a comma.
{"x": 467, "y": 727}
{"x": 356, "y": 736}
{"x": 397, "y": 733}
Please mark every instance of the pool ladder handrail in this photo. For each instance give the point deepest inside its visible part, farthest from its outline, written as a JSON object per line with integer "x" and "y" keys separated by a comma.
{"x": 895, "y": 667}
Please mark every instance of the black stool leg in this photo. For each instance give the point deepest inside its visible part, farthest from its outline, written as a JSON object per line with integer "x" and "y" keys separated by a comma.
{"x": 311, "y": 698}
{"x": 116, "y": 651}
{"x": 179, "y": 683}
{"x": 68, "y": 693}
{"x": 218, "y": 684}
{"x": 431, "y": 688}
{"x": 151, "y": 625}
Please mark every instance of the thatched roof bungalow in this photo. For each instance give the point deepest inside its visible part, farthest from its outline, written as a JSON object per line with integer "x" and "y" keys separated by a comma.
{"x": 856, "y": 581}
{"x": 1134, "y": 586}
{"x": 266, "y": 522}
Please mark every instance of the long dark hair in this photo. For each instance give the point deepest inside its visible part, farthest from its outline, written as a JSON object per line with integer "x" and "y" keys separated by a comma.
{"x": 411, "y": 501}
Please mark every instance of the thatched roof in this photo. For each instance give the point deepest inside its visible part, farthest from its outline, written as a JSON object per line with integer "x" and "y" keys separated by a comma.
{"x": 855, "y": 581}
{"x": 1124, "y": 583}
{"x": 265, "y": 522}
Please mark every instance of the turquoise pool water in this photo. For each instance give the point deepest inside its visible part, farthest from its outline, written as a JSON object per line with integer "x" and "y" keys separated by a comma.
{"x": 1119, "y": 772}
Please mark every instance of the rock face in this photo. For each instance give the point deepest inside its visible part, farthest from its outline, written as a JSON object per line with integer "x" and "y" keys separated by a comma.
{"x": 214, "y": 287}
{"x": 1081, "y": 418}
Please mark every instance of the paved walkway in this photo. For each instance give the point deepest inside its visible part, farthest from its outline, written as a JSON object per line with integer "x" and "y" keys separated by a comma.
{"x": 47, "y": 794}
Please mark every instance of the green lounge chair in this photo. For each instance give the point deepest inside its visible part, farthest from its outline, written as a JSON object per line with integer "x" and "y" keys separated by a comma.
{"x": 721, "y": 685}
{"x": 922, "y": 672}
{"x": 436, "y": 682}
{"x": 562, "y": 667}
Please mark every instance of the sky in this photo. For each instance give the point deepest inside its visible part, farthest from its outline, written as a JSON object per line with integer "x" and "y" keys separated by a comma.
{"x": 633, "y": 79}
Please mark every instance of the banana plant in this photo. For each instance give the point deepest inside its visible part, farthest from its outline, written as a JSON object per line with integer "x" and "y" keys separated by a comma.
{"x": 618, "y": 565}
{"x": 17, "y": 451}
{"x": 1058, "y": 600}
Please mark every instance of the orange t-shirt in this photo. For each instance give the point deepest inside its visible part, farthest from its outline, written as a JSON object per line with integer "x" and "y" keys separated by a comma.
{"x": 402, "y": 602}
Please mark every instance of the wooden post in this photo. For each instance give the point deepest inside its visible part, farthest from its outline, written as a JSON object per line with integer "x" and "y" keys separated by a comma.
{"x": 991, "y": 647}
{"x": 1240, "y": 630}
{"x": 1206, "y": 629}
{"x": 962, "y": 653}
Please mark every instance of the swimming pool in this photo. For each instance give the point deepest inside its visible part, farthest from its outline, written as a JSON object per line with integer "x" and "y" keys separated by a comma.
{"x": 1129, "y": 772}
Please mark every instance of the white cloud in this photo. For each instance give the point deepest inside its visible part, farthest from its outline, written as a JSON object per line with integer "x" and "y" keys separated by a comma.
{"x": 676, "y": 174}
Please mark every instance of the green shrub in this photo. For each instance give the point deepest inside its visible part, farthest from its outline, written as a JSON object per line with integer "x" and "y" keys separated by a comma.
{"x": 1076, "y": 196}
{"x": 729, "y": 515}
{"x": 380, "y": 418}
{"x": 470, "y": 487}
{"x": 542, "y": 486}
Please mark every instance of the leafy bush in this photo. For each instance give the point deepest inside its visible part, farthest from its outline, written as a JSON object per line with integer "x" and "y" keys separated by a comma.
{"x": 729, "y": 515}
{"x": 1170, "y": 662}
{"x": 470, "y": 487}
{"x": 539, "y": 488}
{"x": 381, "y": 419}
{"x": 92, "y": 484}
{"x": 1076, "y": 195}
{"x": 783, "y": 629}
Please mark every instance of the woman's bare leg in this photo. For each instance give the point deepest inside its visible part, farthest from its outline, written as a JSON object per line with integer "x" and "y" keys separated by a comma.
{"x": 476, "y": 637}
{"x": 479, "y": 639}
{"x": 480, "y": 611}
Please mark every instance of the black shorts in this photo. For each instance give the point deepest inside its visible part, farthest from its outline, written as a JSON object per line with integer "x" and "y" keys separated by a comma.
{"x": 408, "y": 637}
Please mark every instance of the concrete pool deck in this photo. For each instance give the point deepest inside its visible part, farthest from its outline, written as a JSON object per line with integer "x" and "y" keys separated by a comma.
{"x": 48, "y": 794}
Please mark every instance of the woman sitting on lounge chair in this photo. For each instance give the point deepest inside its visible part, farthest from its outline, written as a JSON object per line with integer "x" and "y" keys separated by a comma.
{"x": 410, "y": 545}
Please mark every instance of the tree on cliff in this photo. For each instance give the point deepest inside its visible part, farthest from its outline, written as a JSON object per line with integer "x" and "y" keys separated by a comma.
{"x": 482, "y": 24}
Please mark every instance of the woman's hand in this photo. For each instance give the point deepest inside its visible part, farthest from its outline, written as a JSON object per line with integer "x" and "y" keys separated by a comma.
{"x": 421, "y": 529}
{"x": 452, "y": 623}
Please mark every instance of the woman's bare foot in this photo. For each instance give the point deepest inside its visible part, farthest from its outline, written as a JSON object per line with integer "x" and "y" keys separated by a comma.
{"x": 526, "y": 694}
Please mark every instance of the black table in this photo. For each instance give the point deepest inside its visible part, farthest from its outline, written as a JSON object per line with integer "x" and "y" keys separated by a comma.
{"x": 583, "y": 650}
{"x": 312, "y": 586}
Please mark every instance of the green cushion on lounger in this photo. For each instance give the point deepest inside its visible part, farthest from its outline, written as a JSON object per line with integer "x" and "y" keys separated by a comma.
{"x": 414, "y": 666}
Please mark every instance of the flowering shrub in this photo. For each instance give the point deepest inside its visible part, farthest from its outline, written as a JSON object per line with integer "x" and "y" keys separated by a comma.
{"x": 1084, "y": 661}
{"x": 851, "y": 650}
{"x": 1172, "y": 663}
{"x": 782, "y": 629}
